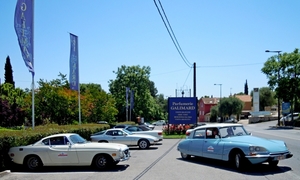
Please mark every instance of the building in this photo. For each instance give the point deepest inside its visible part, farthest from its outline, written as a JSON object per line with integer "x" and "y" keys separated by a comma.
{"x": 247, "y": 100}
{"x": 204, "y": 106}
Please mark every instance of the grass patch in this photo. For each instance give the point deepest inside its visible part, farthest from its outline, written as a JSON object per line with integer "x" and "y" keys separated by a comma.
{"x": 174, "y": 136}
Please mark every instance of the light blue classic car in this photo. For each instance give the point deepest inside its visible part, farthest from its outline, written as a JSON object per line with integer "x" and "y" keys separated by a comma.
{"x": 231, "y": 142}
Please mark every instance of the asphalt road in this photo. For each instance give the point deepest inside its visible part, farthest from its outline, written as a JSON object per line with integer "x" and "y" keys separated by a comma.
{"x": 164, "y": 162}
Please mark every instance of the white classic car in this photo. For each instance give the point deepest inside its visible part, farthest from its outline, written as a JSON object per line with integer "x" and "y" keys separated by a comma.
{"x": 139, "y": 130}
{"x": 119, "y": 135}
{"x": 68, "y": 149}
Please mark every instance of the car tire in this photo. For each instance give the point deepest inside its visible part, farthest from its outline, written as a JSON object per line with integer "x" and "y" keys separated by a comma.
{"x": 185, "y": 156}
{"x": 273, "y": 163}
{"x": 239, "y": 161}
{"x": 33, "y": 163}
{"x": 143, "y": 144}
{"x": 102, "y": 161}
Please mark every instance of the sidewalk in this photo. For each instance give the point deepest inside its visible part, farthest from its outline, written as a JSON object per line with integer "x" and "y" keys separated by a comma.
{"x": 243, "y": 121}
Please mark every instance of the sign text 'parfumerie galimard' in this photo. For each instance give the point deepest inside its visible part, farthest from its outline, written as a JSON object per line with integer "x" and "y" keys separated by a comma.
{"x": 182, "y": 110}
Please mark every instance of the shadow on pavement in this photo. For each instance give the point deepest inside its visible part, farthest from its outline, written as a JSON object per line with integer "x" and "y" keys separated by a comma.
{"x": 59, "y": 169}
{"x": 254, "y": 170}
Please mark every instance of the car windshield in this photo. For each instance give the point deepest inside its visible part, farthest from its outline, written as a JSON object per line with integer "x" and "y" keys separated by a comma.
{"x": 128, "y": 132}
{"x": 77, "y": 139}
{"x": 99, "y": 133}
{"x": 231, "y": 131}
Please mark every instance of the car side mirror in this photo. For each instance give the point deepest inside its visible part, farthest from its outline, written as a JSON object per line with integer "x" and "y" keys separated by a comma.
{"x": 250, "y": 133}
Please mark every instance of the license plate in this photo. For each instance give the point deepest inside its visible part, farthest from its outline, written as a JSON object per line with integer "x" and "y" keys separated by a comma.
{"x": 280, "y": 157}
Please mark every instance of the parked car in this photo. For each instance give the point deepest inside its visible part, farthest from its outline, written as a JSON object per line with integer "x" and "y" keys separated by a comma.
{"x": 148, "y": 124}
{"x": 140, "y": 130}
{"x": 102, "y": 122}
{"x": 118, "y": 135}
{"x": 122, "y": 126}
{"x": 159, "y": 123}
{"x": 230, "y": 120}
{"x": 193, "y": 127}
{"x": 288, "y": 117}
{"x": 68, "y": 149}
{"x": 231, "y": 142}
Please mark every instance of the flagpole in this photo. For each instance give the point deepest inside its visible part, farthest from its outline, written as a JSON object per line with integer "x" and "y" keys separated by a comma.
{"x": 32, "y": 101}
{"x": 33, "y": 123}
{"x": 79, "y": 108}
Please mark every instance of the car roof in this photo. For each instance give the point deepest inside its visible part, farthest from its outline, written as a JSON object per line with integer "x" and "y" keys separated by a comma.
{"x": 115, "y": 129}
{"x": 121, "y": 125}
{"x": 61, "y": 134}
{"x": 218, "y": 125}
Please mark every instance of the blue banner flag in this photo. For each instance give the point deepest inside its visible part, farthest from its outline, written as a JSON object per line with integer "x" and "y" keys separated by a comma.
{"x": 132, "y": 99}
{"x": 74, "y": 63}
{"x": 24, "y": 30}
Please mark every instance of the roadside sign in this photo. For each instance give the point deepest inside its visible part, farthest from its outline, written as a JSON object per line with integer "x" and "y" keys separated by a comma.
{"x": 182, "y": 110}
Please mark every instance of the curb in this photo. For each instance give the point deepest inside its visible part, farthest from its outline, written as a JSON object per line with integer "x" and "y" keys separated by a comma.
{"x": 284, "y": 127}
{"x": 3, "y": 173}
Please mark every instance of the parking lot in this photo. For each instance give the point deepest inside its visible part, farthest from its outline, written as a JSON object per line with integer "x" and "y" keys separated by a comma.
{"x": 159, "y": 162}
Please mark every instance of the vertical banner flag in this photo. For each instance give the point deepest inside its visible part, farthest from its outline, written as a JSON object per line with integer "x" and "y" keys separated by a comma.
{"x": 132, "y": 99}
{"x": 24, "y": 30}
{"x": 127, "y": 93}
{"x": 74, "y": 64}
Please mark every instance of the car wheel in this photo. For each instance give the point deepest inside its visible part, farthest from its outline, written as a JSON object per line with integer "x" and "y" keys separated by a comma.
{"x": 273, "y": 163}
{"x": 143, "y": 144}
{"x": 102, "y": 161}
{"x": 239, "y": 160}
{"x": 185, "y": 156}
{"x": 33, "y": 163}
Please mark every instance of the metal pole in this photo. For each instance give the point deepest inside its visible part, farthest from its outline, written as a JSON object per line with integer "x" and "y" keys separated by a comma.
{"x": 278, "y": 100}
{"x": 220, "y": 95}
{"x": 278, "y": 74}
{"x": 194, "y": 79}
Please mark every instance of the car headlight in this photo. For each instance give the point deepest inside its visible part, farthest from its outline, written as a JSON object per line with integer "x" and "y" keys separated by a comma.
{"x": 257, "y": 149}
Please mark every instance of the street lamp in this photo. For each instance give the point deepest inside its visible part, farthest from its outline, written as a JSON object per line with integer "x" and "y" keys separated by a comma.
{"x": 220, "y": 93}
{"x": 220, "y": 89}
{"x": 278, "y": 102}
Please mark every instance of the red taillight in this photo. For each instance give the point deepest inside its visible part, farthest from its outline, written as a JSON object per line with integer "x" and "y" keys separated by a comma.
{"x": 12, "y": 154}
{"x": 187, "y": 133}
{"x": 160, "y": 133}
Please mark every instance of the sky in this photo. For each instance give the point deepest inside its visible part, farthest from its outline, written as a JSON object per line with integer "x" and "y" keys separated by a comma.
{"x": 226, "y": 39}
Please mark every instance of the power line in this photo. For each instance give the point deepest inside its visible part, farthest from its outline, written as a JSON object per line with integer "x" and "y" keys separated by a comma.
{"x": 232, "y": 65}
{"x": 187, "y": 77}
{"x": 175, "y": 42}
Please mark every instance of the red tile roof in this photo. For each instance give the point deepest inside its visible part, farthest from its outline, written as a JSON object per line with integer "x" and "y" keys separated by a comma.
{"x": 210, "y": 100}
{"x": 244, "y": 98}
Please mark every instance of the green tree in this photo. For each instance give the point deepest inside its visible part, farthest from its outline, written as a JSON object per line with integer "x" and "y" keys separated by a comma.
{"x": 214, "y": 111}
{"x": 137, "y": 79}
{"x": 102, "y": 107}
{"x": 8, "y": 75}
{"x": 246, "y": 88}
{"x": 12, "y": 101}
{"x": 153, "y": 89}
{"x": 231, "y": 105}
{"x": 283, "y": 72}
{"x": 163, "y": 107}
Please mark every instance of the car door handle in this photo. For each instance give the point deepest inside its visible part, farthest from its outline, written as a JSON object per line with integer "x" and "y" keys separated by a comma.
{"x": 114, "y": 138}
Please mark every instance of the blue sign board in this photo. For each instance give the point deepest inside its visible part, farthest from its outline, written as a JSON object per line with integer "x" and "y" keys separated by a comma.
{"x": 182, "y": 110}
{"x": 286, "y": 108}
